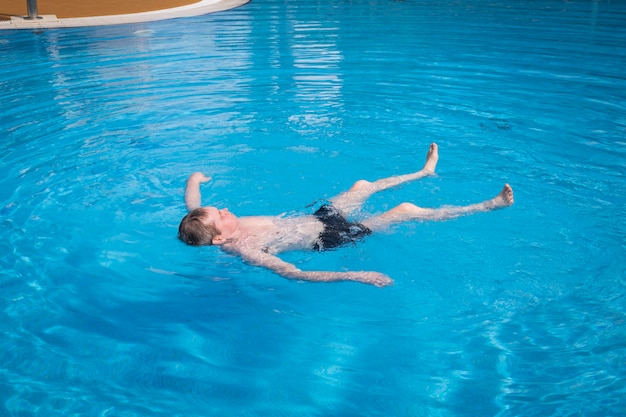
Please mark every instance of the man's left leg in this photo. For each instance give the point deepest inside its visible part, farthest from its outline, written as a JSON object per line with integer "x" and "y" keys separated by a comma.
{"x": 354, "y": 198}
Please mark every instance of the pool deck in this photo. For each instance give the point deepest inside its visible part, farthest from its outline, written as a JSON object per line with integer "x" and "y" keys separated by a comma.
{"x": 77, "y": 13}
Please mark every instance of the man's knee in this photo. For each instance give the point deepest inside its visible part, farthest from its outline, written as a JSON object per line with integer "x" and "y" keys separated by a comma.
{"x": 360, "y": 184}
{"x": 408, "y": 208}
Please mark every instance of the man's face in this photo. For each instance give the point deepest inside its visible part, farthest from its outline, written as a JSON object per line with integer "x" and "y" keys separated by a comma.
{"x": 225, "y": 221}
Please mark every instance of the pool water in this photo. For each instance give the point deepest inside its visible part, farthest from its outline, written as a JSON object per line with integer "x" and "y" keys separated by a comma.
{"x": 518, "y": 312}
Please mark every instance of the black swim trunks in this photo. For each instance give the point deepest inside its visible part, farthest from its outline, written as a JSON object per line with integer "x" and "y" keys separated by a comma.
{"x": 338, "y": 230}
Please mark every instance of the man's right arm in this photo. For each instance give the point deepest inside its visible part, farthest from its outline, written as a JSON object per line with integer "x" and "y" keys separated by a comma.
{"x": 193, "y": 198}
{"x": 288, "y": 270}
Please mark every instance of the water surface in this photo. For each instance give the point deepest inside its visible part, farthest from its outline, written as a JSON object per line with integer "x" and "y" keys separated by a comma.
{"x": 518, "y": 312}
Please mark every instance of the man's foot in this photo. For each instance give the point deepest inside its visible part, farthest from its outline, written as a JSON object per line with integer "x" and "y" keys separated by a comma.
{"x": 505, "y": 198}
{"x": 431, "y": 158}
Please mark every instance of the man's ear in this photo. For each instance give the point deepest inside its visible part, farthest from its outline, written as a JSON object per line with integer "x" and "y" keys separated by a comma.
{"x": 217, "y": 240}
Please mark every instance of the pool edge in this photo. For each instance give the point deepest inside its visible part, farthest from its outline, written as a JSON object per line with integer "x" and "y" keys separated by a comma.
{"x": 52, "y": 22}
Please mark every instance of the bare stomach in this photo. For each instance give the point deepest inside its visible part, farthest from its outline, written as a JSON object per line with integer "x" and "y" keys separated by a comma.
{"x": 279, "y": 234}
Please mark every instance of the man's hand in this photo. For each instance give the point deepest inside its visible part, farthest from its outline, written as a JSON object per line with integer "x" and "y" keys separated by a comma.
{"x": 373, "y": 278}
{"x": 199, "y": 177}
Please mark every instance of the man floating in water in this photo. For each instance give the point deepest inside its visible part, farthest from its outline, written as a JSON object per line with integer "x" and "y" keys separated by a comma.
{"x": 258, "y": 239}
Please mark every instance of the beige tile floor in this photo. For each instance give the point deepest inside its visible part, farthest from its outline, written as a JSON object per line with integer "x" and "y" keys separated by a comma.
{"x": 74, "y": 13}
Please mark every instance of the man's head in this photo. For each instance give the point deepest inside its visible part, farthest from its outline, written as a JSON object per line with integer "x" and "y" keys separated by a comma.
{"x": 197, "y": 229}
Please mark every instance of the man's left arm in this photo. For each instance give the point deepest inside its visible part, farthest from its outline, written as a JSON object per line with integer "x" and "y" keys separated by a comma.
{"x": 193, "y": 198}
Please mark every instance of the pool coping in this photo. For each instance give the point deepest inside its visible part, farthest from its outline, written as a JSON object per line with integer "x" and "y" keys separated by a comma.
{"x": 51, "y": 21}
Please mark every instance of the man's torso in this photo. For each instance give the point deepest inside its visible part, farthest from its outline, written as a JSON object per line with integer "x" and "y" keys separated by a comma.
{"x": 276, "y": 234}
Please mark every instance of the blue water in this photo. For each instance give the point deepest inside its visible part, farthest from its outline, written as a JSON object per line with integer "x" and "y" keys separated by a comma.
{"x": 519, "y": 312}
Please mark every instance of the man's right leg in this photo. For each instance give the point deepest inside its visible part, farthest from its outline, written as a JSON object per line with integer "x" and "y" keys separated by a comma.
{"x": 407, "y": 211}
{"x": 354, "y": 198}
